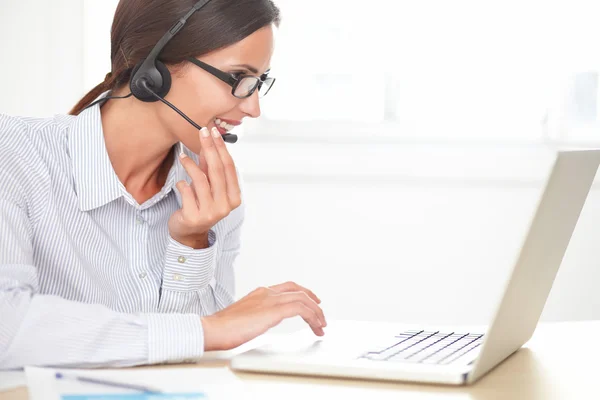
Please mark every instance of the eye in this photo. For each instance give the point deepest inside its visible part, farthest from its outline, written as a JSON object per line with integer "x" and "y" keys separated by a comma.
{"x": 237, "y": 74}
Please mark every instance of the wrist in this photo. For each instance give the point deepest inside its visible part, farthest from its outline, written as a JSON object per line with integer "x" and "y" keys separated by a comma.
{"x": 207, "y": 328}
{"x": 195, "y": 242}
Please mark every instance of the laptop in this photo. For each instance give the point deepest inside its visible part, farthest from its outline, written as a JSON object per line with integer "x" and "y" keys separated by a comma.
{"x": 448, "y": 355}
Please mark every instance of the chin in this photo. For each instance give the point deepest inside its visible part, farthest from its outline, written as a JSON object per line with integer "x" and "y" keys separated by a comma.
{"x": 192, "y": 141}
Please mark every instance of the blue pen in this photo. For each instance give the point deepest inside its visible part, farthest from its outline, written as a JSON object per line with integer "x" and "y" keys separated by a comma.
{"x": 140, "y": 388}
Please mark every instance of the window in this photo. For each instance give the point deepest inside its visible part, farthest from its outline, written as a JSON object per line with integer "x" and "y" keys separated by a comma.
{"x": 466, "y": 70}
{"x": 574, "y": 117}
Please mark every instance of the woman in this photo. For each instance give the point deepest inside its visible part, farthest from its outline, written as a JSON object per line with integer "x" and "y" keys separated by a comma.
{"x": 120, "y": 223}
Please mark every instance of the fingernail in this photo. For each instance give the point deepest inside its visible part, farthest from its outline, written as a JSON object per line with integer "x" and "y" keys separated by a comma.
{"x": 215, "y": 133}
{"x": 182, "y": 155}
{"x": 204, "y": 132}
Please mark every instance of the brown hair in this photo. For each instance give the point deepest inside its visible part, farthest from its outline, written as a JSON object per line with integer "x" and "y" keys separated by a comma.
{"x": 139, "y": 24}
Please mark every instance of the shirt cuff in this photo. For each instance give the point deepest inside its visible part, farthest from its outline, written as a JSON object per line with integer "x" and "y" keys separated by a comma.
{"x": 174, "y": 338}
{"x": 188, "y": 269}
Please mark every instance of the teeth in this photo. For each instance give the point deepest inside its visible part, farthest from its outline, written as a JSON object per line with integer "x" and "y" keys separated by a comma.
{"x": 223, "y": 124}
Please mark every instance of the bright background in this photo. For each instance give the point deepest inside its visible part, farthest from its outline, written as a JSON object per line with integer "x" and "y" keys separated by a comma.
{"x": 398, "y": 182}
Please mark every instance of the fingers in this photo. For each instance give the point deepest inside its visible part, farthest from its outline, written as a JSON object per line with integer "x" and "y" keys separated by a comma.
{"x": 199, "y": 181}
{"x": 260, "y": 310}
{"x": 303, "y": 298}
{"x": 216, "y": 173}
{"x": 231, "y": 179}
{"x": 294, "y": 287}
{"x": 214, "y": 178}
{"x": 289, "y": 310}
{"x": 202, "y": 163}
{"x": 189, "y": 206}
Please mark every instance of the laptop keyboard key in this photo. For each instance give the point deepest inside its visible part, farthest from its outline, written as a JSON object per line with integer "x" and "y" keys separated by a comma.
{"x": 425, "y": 347}
{"x": 461, "y": 353}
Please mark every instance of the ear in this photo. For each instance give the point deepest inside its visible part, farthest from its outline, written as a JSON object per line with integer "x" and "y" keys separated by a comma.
{"x": 178, "y": 70}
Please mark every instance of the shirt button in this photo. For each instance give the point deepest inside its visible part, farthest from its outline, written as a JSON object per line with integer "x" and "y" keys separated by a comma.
{"x": 143, "y": 275}
{"x": 181, "y": 259}
{"x": 139, "y": 220}
{"x": 177, "y": 277}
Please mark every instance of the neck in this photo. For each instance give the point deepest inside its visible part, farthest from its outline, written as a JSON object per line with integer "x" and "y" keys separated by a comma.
{"x": 137, "y": 145}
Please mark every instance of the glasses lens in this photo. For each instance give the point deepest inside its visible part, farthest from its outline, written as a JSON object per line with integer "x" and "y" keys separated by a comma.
{"x": 246, "y": 86}
{"x": 265, "y": 87}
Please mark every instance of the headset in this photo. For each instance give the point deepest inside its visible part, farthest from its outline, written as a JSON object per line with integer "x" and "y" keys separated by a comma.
{"x": 151, "y": 80}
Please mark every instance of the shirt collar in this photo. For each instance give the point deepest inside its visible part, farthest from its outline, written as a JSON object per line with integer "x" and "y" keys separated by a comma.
{"x": 96, "y": 182}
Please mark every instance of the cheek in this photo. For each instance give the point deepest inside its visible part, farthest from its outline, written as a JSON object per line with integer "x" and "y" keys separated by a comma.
{"x": 207, "y": 109}
{"x": 208, "y": 103}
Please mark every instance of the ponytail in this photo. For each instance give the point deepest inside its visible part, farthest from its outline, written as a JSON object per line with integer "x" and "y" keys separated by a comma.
{"x": 111, "y": 81}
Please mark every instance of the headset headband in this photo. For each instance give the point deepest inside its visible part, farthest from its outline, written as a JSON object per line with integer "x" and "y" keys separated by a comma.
{"x": 173, "y": 31}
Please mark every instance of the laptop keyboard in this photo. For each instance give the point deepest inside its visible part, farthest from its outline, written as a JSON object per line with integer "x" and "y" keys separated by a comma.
{"x": 426, "y": 347}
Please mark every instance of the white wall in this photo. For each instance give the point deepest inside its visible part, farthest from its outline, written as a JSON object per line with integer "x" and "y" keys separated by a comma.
{"x": 402, "y": 246}
{"x": 42, "y": 48}
{"x": 379, "y": 228}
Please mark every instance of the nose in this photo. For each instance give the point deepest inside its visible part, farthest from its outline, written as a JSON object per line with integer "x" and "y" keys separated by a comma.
{"x": 251, "y": 105}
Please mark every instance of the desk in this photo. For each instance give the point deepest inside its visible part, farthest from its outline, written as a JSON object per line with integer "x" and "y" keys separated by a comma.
{"x": 559, "y": 362}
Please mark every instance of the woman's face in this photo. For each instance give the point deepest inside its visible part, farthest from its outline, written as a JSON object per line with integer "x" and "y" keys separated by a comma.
{"x": 205, "y": 98}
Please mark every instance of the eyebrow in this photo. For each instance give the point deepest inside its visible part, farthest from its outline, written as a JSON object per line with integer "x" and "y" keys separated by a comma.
{"x": 248, "y": 67}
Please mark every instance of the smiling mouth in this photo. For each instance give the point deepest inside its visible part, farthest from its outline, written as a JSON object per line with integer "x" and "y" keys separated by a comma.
{"x": 223, "y": 126}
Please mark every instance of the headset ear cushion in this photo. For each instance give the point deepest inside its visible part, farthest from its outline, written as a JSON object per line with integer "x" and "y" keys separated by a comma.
{"x": 142, "y": 94}
{"x": 166, "y": 76}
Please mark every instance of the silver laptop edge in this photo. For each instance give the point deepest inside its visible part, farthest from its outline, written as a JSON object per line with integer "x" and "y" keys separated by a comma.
{"x": 522, "y": 301}
{"x": 545, "y": 243}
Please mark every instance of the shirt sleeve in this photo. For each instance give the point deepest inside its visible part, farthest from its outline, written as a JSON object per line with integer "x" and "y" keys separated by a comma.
{"x": 45, "y": 330}
{"x": 202, "y": 280}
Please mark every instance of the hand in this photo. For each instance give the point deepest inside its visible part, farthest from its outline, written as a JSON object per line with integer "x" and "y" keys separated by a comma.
{"x": 259, "y": 311}
{"x": 214, "y": 192}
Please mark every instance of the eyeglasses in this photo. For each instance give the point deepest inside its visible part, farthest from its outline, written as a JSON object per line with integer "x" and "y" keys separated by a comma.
{"x": 241, "y": 87}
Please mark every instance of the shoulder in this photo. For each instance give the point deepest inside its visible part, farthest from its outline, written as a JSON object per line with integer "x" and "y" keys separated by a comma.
{"x": 13, "y": 130}
{"x": 25, "y": 146}
{"x": 17, "y": 150}
{"x": 16, "y": 132}
{"x": 24, "y": 138}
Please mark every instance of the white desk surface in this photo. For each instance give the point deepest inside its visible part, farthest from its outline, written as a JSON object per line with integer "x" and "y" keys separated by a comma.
{"x": 561, "y": 361}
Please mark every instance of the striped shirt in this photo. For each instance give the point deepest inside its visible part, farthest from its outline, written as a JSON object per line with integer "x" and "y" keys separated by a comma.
{"x": 89, "y": 277}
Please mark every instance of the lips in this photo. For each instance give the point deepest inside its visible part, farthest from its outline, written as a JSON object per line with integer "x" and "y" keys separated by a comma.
{"x": 224, "y": 126}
